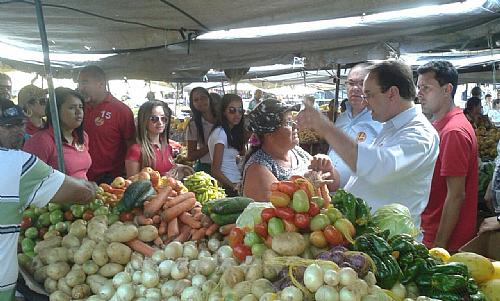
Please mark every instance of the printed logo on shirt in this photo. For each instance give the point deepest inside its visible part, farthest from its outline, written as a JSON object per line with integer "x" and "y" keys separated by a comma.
{"x": 361, "y": 137}
{"x": 99, "y": 120}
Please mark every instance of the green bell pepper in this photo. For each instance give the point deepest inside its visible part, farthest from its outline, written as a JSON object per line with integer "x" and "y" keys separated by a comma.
{"x": 451, "y": 268}
{"x": 448, "y": 283}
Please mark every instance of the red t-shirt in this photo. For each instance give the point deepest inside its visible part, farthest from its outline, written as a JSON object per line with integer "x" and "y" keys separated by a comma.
{"x": 109, "y": 125}
{"x": 77, "y": 159}
{"x": 164, "y": 162}
{"x": 457, "y": 157}
{"x": 31, "y": 129}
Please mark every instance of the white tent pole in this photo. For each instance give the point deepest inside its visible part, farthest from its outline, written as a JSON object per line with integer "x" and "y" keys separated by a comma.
{"x": 176, "y": 98}
{"x": 52, "y": 96}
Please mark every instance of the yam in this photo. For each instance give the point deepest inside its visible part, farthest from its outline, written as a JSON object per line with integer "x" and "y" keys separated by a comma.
{"x": 52, "y": 242}
{"x": 63, "y": 286}
{"x": 57, "y": 270}
{"x": 289, "y": 244}
{"x": 70, "y": 241}
{"x": 76, "y": 276}
{"x": 40, "y": 274}
{"x": 99, "y": 255}
{"x": 59, "y": 296}
{"x": 120, "y": 232}
{"x": 97, "y": 227}
{"x": 51, "y": 255}
{"x": 118, "y": 253}
{"x": 85, "y": 251}
{"x": 80, "y": 291}
{"x": 50, "y": 285}
{"x": 78, "y": 228}
{"x": 110, "y": 269}
{"x": 95, "y": 282}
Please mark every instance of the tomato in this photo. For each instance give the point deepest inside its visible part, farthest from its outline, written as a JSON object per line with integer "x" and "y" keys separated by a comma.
{"x": 252, "y": 238}
{"x": 87, "y": 215}
{"x": 155, "y": 178}
{"x": 274, "y": 186}
{"x": 313, "y": 209}
{"x": 42, "y": 231}
{"x": 287, "y": 187}
{"x": 26, "y": 222}
{"x": 275, "y": 226}
{"x": 118, "y": 182}
{"x": 267, "y": 214}
{"x": 302, "y": 220}
{"x": 126, "y": 216}
{"x": 68, "y": 215}
{"x": 269, "y": 242}
{"x": 56, "y": 216}
{"x": 300, "y": 202}
{"x": 261, "y": 229}
{"x": 258, "y": 249}
{"x": 306, "y": 186}
{"x": 285, "y": 213}
{"x": 279, "y": 199}
{"x": 289, "y": 226}
{"x": 317, "y": 239}
{"x": 319, "y": 201}
{"x": 319, "y": 222}
{"x": 240, "y": 252}
{"x": 236, "y": 237}
{"x": 332, "y": 235}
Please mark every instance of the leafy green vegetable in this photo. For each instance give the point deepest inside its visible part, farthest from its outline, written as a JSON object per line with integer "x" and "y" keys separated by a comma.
{"x": 396, "y": 218}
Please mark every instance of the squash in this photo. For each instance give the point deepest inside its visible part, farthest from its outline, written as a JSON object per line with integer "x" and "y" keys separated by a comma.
{"x": 480, "y": 268}
{"x": 491, "y": 289}
{"x": 135, "y": 195}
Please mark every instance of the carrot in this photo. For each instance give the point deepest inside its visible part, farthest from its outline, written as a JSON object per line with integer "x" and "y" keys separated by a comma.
{"x": 106, "y": 187}
{"x": 198, "y": 234}
{"x": 175, "y": 211}
{"x": 156, "y": 219}
{"x": 180, "y": 199}
{"x": 141, "y": 247}
{"x": 117, "y": 191}
{"x": 205, "y": 220}
{"x": 211, "y": 229}
{"x": 156, "y": 202}
{"x": 158, "y": 242}
{"x": 224, "y": 230}
{"x": 325, "y": 194}
{"x": 188, "y": 219}
{"x": 162, "y": 229}
{"x": 143, "y": 220}
{"x": 173, "y": 228}
{"x": 184, "y": 234}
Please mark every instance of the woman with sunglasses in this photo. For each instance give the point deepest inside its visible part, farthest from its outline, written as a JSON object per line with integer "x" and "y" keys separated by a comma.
{"x": 33, "y": 100}
{"x": 227, "y": 142}
{"x": 199, "y": 128}
{"x": 152, "y": 148}
{"x": 75, "y": 146}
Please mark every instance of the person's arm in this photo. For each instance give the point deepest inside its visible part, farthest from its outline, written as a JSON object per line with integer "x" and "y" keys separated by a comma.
{"x": 324, "y": 164}
{"x": 74, "y": 190}
{"x": 257, "y": 183}
{"x": 344, "y": 146}
{"x": 216, "y": 166}
{"x": 132, "y": 160}
{"x": 132, "y": 167}
{"x": 455, "y": 197}
{"x": 489, "y": 224}
{"x": 193, "y": 152}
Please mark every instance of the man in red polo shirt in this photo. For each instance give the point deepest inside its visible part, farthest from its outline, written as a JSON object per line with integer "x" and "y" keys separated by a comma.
{"x": 449, "y": 220}
{"x": 109, "y": 124}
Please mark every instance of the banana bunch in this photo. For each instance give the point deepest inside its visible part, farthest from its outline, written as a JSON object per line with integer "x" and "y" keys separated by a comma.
{"x": 487, "y": 140}
{"x": 204, "y": 186}
{"x": 307, "y": 136}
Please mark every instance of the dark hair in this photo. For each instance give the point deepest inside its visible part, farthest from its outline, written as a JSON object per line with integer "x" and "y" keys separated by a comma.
{"x": 496, "y": 101}
{"x": 471, "y": 104}
{"x": 395, "y": 73}
{"x": 197, "y": 114}
{"x": 343, "y": 104}
{"x": 62, "y": 94}
{"x": 476, "y": 91}
{"x": 487, "y": 95}
{"x": 444, "y": 72}
{"x": 95, "y": 71}
{"x": 236, "y": 135}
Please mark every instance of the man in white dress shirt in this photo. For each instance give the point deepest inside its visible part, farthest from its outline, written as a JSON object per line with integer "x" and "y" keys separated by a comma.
{"x": 356, "y": 122}
{"x": 398, "y": 166}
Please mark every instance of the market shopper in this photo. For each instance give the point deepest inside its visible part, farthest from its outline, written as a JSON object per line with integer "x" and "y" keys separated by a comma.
{"x": 5, "y": 86}
{"x": 109, "y": 124}
{"x": 490, "y": 224}
{"x": 12, "y": 121}
{"x": 33, "y": 100}
{"x": 28, "y": 181}
{"x": 356, "y": 122}
{"x": 75, "y": 140}
{"x": 201, "y": 124}
{"x": 474, "y": 113}
{"x": 275, "y": 154}
{"x": 255, "y": 100}
{"x": 452, "y": 207}
{"x": 153, "y": 148}
{"x": 397, "y": 167}
{"x": 227, "y": 142}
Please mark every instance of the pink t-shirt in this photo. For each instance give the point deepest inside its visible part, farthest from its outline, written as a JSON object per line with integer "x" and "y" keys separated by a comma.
{"x": 77, "y": 159}
{"x": 164, "y": 162}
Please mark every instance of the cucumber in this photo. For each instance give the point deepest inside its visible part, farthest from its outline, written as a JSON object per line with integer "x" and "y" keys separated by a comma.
{"x": 230, "y": 205}
{"x": 135, "y": 195}
{"x": 224, "y": 219}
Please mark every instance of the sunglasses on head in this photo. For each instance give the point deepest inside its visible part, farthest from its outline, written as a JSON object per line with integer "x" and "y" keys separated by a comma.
{"x": 156, "y": 119}
{"x": 233, "y": 110}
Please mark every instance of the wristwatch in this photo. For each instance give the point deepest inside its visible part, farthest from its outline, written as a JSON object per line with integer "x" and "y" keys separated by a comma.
{"x": 498, "y": 218}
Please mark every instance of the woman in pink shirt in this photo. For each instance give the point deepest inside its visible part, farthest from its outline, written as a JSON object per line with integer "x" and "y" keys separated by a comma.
{"x": 75, "y": 146}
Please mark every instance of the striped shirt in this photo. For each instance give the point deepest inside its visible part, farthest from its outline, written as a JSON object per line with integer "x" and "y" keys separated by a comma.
{"x": 25, "y": 180}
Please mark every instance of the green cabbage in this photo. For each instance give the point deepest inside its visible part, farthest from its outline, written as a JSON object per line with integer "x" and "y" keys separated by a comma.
{"x": 251, "y": 215}
{"x": 396, "y": 218}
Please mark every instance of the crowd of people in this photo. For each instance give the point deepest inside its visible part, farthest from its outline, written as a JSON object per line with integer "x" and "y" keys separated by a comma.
{"x": 382, "y": 147}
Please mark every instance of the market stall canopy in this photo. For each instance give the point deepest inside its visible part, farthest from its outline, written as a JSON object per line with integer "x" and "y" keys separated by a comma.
{"x": 181, "y": 40}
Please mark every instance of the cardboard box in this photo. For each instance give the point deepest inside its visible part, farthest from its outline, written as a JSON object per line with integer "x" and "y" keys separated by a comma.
{"x": 486, "y": 244}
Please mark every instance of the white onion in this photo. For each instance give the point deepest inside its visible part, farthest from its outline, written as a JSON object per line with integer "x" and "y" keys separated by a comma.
{"x": 213, "y": 244}
{"x": 174, "y": 298}
{"x": 331, "y": 277}
{"x": 137, "y": 277}
{"x": 150, "y": 278}
{"x": 347, "y": 294}
{"x": 153, "y": 294}
{"x": 190, "y": 293}
{"x": 190, "y": 250}
{"x": 173, "y": 250}
{"x": 225, "y": 252}
{"x": 180, "y": 269}
{"x": 107, "y": 290}
{"x": 165, "y": 267}
{"x": 167, "y": 288}
{"x": 158, "y": 256}
{"x": 140, "y": 290}
{"x": 215, "y": 296}
{"x": 289, "y": 293}
{"x": 121, "y": 278}
{"x": 198, "y": 280}
{"x": 347, "y": 276}
{"x": 136, "y": 260}
{"x": 399, "y": 291}
{"x": 370, "y": 278}
{"x": 206, "y": 266}
{"x": 313, "y": 277}
{"x": 204, "y": 253}
{"x": 125, "y": 292}
{"x": 361, "y": 287}
{"x": 326, "y": 293}
{"x": 208, "y": 286}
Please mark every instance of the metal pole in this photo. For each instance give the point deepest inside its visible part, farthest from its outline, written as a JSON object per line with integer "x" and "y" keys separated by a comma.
{"x": 176, "y": 99}
{"x": 52, "y": 96}
{"x": 337, "y": 91}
